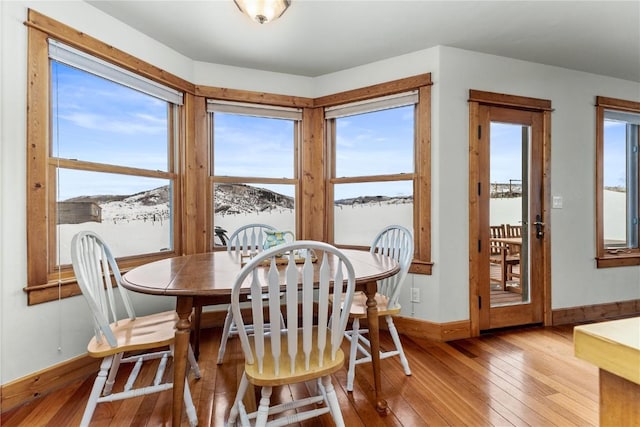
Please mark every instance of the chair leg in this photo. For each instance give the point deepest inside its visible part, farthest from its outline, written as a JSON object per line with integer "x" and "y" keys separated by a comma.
{"x": 96, "y": 391}
{"x": 113, "y": 371}
{"x": 188, "y": 404}
{"x": 194, "y": 363}
{"x": 263, "y": 409}
{"x": 353, "y": 351}
{"x": 228, "y": 322}
{"x": 396, "y": 340}
{"x": 235, "y": 409}
{"x": 197, "y": 317}
{"x": 332, "y": 401}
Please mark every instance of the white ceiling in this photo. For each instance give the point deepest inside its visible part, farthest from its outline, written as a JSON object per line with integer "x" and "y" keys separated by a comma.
{"x": 316, "y": 37}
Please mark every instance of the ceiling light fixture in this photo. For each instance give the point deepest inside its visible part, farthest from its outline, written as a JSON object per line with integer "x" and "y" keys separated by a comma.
{"x": 263, "y": 11}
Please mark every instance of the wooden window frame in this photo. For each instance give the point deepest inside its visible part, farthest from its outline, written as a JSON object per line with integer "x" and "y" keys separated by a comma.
{"x": 227, "y": 179}
{"x": 203, "y": 160}
{"x": 421, "y": 176}
{"x": 607, "y": 258}
{"x": 45, "y": 281}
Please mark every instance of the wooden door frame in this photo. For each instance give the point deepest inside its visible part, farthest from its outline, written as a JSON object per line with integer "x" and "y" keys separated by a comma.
{"x": 476, "y": 271}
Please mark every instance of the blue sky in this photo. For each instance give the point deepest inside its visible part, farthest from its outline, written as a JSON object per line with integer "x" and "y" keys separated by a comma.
{"x": 615, "y": 153}
{"x": 376, "y": 143}
{"x": 101, "y": 121}
{"x": 253, "y": 146}
{"x": 506, "y": 153}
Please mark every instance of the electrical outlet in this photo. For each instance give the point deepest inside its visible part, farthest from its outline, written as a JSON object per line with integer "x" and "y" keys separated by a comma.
{"x": 415, "y": 295}
{"x": 556, "y": 202}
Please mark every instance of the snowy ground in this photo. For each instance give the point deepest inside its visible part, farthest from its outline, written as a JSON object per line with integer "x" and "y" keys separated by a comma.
{"x": 137, "y": 228}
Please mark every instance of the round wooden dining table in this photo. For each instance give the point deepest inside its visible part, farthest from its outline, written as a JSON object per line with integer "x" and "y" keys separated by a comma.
{"x": 211, "y": 275}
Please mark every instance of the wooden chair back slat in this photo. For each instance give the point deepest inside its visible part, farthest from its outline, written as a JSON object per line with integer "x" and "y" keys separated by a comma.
{"x": 248, "y": 239}
{"x": 307, "y": 287}
{"x": 514, "y": 230}
{"x": 97, "y": 273}
{"x": 497, "y": 232}
{"x": 396, "y": 242}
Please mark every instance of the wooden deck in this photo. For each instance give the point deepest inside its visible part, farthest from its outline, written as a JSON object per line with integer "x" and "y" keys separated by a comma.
{"x": 524, "y": 377}
{"x": 499, "y": 296}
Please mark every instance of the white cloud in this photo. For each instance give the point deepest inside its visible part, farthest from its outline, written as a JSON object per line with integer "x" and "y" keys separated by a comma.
{"x": 143, "y": 124}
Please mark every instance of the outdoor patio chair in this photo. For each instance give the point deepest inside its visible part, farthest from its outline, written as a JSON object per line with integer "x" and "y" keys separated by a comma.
{"x": 503, "y": 255}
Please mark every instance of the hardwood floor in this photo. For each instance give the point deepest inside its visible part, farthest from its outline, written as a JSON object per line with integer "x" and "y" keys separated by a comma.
{"x": 523, "y": 377}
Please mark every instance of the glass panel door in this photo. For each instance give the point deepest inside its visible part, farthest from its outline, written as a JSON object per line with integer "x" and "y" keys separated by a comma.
{"x": 508, "y": 217}
{"x": 509, "y": 264}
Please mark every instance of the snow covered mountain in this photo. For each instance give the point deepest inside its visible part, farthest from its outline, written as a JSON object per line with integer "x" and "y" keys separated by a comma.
{"x": 230, "y": 199}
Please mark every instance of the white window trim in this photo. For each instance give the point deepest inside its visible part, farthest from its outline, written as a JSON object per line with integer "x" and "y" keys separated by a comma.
{"x": 371, "y": 105}
{"x": 257, "y": 110}
{"x": 70, "y": 56}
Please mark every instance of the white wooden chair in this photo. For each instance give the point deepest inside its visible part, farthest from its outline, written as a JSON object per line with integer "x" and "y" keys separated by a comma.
{"x": 246, "y": 241}
{"x": 307, "y": 348}
{"x": 394, "y": 241}
{"x": 118, "y": 330}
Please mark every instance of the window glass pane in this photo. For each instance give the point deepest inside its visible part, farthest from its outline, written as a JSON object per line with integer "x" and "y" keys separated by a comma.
{"x": 620, "y": 176}
{"x": 133, "y": 214}
{"x": 253, "y": 146}
{"x": 376, "y": 143}
{"x": 236, "y": 205}
{"x": 97, "y": 120}
{"x": 505, "y": 173}
{"x": 361, "y": 210}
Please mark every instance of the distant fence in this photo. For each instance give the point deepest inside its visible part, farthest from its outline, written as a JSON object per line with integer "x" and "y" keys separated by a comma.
{"x": 510, "y": 189}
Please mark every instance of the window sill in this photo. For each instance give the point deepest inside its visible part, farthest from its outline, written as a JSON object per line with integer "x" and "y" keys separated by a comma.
{"x": 618, "y": 260}
{"x": 52, "y": 291}
{"x": 421, "y": 267}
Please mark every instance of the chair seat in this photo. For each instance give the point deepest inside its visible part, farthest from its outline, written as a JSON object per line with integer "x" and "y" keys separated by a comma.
{"x": 145, "y": 332}
{"x": 359, "y": 306}
{"x": 509, "y": 259}
{"x": 268, "y": 376}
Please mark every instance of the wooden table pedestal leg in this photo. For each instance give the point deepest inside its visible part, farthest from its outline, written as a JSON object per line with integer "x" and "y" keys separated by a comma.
{"x": 184, "y": 306}
{"x": 374, "y": 335}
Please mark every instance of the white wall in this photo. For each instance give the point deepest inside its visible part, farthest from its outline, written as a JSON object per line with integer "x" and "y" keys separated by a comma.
{"x": 59, "y": 330}
{"x": 218, "y": 75}
{"x": 575, "y": 280}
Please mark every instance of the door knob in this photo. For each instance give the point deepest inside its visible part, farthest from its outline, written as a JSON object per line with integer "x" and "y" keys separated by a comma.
{"x": 539, "y": 227}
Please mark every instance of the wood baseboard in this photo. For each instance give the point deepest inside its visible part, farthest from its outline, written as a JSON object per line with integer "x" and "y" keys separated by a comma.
{"x": 588, "y": 313}
{"x": 213, "y": 319}
{"x": 433, "y": 331}
{"x": 31, "y": 387}
{"x": 405, "y": 325}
